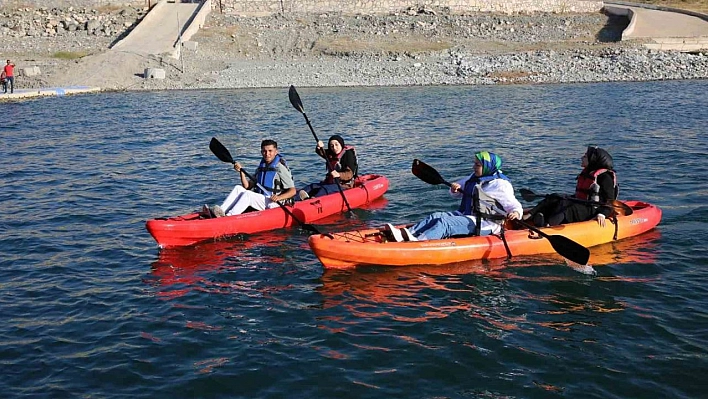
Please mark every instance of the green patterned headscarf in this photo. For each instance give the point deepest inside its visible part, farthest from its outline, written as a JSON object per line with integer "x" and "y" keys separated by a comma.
{"x": 491, "y": 163}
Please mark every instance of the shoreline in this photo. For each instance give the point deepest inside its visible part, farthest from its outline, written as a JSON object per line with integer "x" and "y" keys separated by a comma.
{"x": 424, "y": 49}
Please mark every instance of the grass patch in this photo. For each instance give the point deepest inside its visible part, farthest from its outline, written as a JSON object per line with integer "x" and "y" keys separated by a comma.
{"x": 69, "y": 55}
{"x": 510, "y": 76}
{"x": 108, "y": 8}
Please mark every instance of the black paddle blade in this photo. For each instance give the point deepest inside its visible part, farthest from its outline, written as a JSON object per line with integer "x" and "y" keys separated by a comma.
{"x": 427, "y": 173}
{"x": 220, "y": 151}
{"x": 569, "y": 249}
{"x": 295, "y": 99}
{"x": 527, "y": 194}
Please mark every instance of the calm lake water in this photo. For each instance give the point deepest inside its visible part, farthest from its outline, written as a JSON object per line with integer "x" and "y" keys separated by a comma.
{"x": 92, "y": 309}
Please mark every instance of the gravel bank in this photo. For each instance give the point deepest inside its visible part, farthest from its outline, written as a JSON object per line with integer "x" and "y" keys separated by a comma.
{"x": 418, "y": 47}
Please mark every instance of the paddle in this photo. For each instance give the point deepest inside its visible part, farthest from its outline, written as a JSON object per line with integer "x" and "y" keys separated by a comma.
{"x": 223, "y": 154}
{"x": 564, "y": 246}
{"x": 620, "y": 207}
{"x": 297, "y": 104}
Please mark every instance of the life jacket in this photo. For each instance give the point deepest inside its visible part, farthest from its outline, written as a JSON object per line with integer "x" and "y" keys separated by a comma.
{"x": 587, "y": 187}
{"x": 333, "y": 163}
{"x": 267, "y": 176}
{"x": 470, "y": 203}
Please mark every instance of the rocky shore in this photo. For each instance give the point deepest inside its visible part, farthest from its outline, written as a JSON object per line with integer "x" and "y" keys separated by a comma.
{"x": 421, "y": 46}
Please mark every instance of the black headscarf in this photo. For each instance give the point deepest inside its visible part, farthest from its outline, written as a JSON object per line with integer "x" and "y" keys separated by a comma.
{"x": 598, "y": 159}
{"x": 338, "y": 138}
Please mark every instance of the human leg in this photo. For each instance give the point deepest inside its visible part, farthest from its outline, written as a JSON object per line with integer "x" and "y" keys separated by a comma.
{"x": 11, "y": 82}
{"x": 429, "y": 221}
{"x": 578, "y": 212}
{"x": 240, "y": 199}
{"x": 325, "y": 189}
{"x": 446, "y": 225}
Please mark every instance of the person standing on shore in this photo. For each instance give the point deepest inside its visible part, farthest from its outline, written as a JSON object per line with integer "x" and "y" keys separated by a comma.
{"x": 274, "y": 183}
{"x": 9, "y": 71}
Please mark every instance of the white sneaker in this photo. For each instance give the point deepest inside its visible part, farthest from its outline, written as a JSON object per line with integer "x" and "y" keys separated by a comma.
{"x": 408, "y": 235}
{"x": 303, "y": 195}
{"x": 396, "y": 233}
{"x": 217, "y": 211}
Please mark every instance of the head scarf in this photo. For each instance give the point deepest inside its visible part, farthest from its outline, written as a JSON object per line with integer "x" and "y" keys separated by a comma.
{"x": 491, "y": 163}
{"x": 598, "y": 159}
{"x": 338, "y": 138}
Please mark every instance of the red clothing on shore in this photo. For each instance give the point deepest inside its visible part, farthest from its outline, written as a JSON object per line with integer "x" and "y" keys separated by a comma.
{"x": 9, "y": 70}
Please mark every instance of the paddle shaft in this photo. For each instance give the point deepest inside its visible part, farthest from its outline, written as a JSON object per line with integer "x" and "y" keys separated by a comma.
{"x": 529, "y": 195}
{"x": 297, "y": 104}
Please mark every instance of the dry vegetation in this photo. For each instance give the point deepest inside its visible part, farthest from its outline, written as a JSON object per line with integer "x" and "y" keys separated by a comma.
{"x": 391, "y": 45}
{"x": 693, "y": 5}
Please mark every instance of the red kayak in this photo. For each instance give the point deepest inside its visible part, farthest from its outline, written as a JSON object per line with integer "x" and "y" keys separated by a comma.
{"x": 192, "y": 228}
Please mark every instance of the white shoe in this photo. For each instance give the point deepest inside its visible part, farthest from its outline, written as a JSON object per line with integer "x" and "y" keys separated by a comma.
{"x": 396, "y": 233}
{"x": 408, "y": 235}
{"x": 303, "y": 195}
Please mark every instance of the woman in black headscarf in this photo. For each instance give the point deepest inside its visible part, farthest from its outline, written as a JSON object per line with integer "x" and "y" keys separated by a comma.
{"x": 597, "y": 184}
{"x": 342, "y": 166}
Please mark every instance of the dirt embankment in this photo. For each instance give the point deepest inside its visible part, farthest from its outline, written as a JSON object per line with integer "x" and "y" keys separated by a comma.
{"x": 418, "y": 47}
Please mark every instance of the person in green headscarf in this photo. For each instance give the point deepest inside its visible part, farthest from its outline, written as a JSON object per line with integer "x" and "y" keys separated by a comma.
{"x": 487, "y": 198}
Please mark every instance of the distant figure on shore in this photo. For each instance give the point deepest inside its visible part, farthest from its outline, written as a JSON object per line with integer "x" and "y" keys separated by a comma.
{"x": 9, "y": 72}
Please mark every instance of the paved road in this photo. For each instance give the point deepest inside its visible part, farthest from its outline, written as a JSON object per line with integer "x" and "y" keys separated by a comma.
{"x": 662, "y": 24}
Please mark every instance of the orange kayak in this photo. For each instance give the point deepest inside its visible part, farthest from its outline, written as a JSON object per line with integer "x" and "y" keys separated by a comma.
{"x": 192, "y": 228}
{"x": 372, "y": 248}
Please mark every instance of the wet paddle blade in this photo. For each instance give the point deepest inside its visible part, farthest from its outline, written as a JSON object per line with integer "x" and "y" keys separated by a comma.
{"x": 220, "y": 151}
{"x": 295, "y": 99}
{"x": 569, "y": 249}
{"x": 427, "y": 173}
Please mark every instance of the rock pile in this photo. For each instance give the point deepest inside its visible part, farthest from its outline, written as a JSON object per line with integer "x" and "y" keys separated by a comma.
{"x": 49, "y": 22}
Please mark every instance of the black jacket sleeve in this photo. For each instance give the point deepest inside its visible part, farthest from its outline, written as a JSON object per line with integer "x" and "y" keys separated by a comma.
{"x": 607, "y": 192}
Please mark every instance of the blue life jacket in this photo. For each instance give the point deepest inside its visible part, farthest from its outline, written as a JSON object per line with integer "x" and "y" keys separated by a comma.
{"x": 267, "y": 176}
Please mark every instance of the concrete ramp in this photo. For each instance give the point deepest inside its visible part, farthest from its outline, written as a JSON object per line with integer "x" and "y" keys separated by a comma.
{"x": 159, "y": 31}
{"x": 663, "y": 28}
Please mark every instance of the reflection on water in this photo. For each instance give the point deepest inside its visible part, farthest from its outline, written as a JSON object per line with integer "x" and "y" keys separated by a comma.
{"x": 93, "y": 308}
{"x": 480, "y": 289}
{"x": 181, "y": 270}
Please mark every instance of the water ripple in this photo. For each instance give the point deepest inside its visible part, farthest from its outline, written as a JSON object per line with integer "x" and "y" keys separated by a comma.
{"x": 92, "y": 308}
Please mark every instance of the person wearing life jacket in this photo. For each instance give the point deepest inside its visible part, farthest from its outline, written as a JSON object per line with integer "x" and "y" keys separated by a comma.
{"x": 274, "y": 183}
{"x": 597, "y": 182}
{"x": 342, "y": 164}
{"x": 487, "y": 198}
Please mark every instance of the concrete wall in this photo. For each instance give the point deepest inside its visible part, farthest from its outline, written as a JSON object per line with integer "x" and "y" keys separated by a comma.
{"x": 73, "y": 3}
{"x": 265, "y": 7}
